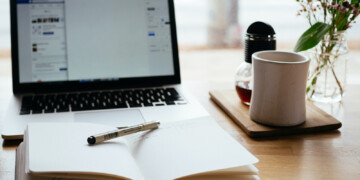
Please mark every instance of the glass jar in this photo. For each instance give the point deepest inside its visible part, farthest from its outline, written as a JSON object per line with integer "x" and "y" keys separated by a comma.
{"x": 328, "y": 69}
{"x": 243, "y": 82}
{"x": 259, "y": 36}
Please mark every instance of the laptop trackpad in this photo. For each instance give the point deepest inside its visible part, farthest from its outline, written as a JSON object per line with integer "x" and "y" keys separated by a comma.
{"x": 116, "y": 118}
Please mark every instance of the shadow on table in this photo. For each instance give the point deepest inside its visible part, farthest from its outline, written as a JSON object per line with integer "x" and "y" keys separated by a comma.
{"x": 11, "y": 143}
{"x": 313, "y": 135}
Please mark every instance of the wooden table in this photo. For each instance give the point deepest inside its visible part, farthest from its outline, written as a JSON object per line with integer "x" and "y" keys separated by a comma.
{"x": 330, "y": 155}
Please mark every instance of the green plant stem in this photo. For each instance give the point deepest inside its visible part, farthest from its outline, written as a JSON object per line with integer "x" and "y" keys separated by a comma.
{"x": 337, "y": 81}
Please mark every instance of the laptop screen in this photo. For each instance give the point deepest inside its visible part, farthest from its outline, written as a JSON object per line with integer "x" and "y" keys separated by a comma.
{"x": 93, "y": 40}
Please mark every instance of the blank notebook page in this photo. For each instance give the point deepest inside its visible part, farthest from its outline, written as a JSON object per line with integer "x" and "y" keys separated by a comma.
{"x": 62, "y": 147}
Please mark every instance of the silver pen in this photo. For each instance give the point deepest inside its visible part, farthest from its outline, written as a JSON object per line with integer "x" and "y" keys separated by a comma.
{"x": 122, "y": 132}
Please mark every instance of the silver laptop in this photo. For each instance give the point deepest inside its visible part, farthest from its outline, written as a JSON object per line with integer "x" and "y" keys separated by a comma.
{"x": 112, "y": 62}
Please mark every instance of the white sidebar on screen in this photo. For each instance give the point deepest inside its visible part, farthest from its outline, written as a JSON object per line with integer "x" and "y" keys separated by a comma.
{"x": 111, "y": 39}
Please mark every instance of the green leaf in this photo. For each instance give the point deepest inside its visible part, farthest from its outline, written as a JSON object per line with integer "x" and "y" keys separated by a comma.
{"x": 311, "y": 37}
{"x": 342, "y": 22}
{"x": 355, "y": 1}
{"x": 313, "y": 82}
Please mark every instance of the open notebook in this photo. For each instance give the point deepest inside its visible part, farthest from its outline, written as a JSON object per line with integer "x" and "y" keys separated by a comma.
{"x": 191, "y": 149}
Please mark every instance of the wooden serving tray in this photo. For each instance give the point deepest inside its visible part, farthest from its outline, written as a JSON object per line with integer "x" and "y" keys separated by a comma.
{"x": 316, "y": 119}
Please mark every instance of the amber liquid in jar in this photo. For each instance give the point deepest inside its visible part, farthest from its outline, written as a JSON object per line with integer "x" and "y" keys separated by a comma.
{"x": 244, "y": 92}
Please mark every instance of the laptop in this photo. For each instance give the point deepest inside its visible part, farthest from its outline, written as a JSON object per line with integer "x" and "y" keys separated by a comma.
{"x": 112, "y": 62}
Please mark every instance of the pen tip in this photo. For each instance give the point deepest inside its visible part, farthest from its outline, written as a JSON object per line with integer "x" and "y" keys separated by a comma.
{"x": 91, "y": 140}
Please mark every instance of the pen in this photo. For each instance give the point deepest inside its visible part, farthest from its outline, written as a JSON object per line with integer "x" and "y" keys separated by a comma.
{"x": 122, "y": 132}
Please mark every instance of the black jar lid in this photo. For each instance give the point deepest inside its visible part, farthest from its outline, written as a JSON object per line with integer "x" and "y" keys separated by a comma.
{"x": 260, "y": 28}
{"x": 260, "y": 37}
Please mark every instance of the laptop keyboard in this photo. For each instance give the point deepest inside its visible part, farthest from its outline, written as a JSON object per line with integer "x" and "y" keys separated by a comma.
{"x": 83, "y": 101}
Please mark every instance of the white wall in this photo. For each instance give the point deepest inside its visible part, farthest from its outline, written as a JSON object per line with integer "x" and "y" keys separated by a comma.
{"x": 4, "y": 24}
{"x": 192, "y": 19}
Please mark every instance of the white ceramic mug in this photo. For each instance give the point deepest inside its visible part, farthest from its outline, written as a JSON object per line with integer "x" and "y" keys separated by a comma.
{"x": 278, "y": 95}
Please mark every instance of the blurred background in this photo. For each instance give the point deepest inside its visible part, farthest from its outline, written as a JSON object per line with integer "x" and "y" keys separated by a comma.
{"x": 219, "y": 24}
{"x": 223, "y": 23}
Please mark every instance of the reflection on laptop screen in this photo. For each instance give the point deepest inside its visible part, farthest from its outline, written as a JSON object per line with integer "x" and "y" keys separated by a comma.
{"x": 90, "y": 40}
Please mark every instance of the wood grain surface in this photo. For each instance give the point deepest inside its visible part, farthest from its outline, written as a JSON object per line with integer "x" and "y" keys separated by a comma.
{"x": 316, "y": 119}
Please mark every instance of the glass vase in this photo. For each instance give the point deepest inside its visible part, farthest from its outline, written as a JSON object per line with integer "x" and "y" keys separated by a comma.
{"x": 328, "y": 69}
